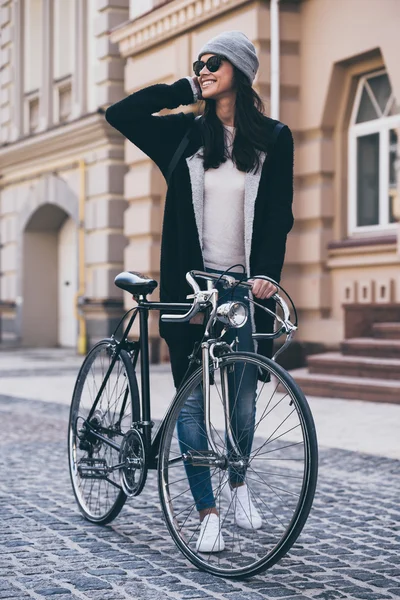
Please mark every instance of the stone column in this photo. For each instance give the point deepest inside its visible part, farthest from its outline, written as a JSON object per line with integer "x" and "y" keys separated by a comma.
{"x": 105, "y": 203}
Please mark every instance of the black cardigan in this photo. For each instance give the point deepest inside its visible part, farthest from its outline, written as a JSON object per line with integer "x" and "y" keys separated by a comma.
{"x": 158, "y": 137}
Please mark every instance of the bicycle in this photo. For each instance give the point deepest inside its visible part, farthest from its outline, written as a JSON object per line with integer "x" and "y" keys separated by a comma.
{"x": 111, "y": 446}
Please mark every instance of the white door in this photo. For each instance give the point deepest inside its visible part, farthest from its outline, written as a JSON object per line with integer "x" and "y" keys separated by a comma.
{"x": 67, "y": 284}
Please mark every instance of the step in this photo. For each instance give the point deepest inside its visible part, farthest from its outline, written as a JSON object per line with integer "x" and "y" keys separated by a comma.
{"x": 335, "y": 363}
{"x": 373, "y": 347}
{"x": 387, "y": 331}
{"x": 351, "y": 388}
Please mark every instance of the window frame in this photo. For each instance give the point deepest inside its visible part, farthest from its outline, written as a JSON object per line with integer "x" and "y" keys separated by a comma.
{"x": 381, "y": 126}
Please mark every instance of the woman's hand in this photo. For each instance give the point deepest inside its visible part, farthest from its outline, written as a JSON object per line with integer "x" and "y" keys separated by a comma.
{"x": 198, "y": 87}
{"x": 262, "y": 289}
{"x": 197, "y": 319}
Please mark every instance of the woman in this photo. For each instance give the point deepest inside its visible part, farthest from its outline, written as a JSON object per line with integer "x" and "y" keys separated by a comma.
{"x": 228, "y": 203}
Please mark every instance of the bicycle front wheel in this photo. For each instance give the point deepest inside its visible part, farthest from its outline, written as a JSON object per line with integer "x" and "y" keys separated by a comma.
{"x": 256, "y": 466}
{"x": 93, "y": 463}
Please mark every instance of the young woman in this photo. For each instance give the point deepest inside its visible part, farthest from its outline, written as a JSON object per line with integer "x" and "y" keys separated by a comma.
{"x": 229, "y": 202}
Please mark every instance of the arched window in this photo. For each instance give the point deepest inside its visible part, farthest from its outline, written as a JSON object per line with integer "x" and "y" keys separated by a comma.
{"x": 374, "y": 153}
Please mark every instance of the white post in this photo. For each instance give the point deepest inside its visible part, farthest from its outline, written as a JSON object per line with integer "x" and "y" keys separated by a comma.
{"x": 275, "y": 74}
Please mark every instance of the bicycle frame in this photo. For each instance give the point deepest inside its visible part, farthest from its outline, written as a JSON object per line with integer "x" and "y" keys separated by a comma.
{"x": 142, "y": 347}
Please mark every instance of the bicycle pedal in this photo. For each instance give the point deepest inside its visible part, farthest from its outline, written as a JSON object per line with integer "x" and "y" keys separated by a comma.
{"x": 93, "y": 468}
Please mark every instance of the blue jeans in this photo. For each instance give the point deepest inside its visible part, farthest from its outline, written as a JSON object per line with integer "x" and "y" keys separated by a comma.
{"x": 242, "y": 386}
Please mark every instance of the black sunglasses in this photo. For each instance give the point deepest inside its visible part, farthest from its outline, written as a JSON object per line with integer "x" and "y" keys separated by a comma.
{"x": 212, "y": 64}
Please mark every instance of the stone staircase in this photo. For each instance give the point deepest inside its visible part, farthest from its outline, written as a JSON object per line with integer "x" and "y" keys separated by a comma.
{"x": 367, "y": 368}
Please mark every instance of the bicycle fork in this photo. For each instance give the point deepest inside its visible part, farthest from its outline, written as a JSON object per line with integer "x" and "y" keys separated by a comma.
{"x": 207, "y": 400}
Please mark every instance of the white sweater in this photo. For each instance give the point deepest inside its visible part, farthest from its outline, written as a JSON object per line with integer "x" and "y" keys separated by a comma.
{"x": 223, "y": 217}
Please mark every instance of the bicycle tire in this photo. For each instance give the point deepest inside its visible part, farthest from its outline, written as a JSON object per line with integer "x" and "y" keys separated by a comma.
{"x": 113, "y": 501}
{"x": 181, "y": 527}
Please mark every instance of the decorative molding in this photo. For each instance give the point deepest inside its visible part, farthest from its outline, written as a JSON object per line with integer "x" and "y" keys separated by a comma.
{"x": 367, "y": 241}
{"x": 167, "y": 21}
{"x": 48, "y": 187}
{"x": 74, "y": 136}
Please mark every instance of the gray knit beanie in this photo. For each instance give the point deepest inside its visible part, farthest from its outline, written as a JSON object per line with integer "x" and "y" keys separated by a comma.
{"x": 237, "y": 48}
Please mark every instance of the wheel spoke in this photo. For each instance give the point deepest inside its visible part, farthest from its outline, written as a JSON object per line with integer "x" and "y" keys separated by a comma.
{"x": 268, "y": 467}
{"x": 98, "y": 490}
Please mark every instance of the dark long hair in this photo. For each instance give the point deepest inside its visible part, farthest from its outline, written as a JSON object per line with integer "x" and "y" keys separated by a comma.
{"x": 250, "y": 127}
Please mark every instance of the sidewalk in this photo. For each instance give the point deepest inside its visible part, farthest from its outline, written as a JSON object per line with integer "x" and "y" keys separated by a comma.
{"x": 49, "y": 375}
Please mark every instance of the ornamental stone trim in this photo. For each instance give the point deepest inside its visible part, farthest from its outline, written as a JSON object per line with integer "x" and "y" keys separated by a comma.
{"x": 50, "y": 189}
{"x": 168, "y": 21}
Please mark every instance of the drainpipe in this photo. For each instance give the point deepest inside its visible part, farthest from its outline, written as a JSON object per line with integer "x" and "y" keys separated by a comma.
{"x": 80, "y": 297}
{"x": 275, "y": 74}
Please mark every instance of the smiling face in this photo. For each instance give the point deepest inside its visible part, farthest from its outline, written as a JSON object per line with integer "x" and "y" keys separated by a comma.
{"x": 219, "y": 84}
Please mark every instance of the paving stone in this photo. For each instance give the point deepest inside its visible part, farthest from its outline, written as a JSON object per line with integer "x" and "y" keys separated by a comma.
{"x": 329, "y": 595}
{"x": 51, "y": 591}
{"x": 106, "y": 571}
{"x": 243, "y": 596}
{"x": 277, "y": 592}
{"x": 194, "y": 594}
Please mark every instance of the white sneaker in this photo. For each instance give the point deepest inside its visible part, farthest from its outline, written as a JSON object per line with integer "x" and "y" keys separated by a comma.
{"x": 210, "y": 538}
{"x": 225, "y": 489}
{"x": 246, "y": 514}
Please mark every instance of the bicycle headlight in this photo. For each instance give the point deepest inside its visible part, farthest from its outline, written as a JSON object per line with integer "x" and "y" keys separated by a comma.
{"x": 232, "y": 313}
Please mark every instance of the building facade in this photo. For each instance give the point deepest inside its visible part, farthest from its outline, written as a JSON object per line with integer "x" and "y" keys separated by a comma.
{"x": 62, "y": 167}
{"x": 338, "y": 88}
{"x": 339, "y": 91}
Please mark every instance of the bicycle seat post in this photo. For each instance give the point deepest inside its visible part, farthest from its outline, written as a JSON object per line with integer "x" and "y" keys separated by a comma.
{"x": 144, "y": 372}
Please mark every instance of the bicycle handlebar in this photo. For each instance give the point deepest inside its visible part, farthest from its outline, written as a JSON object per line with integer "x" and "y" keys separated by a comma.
{"x": 203, "y": 298}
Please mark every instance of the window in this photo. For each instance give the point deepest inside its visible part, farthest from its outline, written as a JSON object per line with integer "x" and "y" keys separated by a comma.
{"x": 374, "y": 153}
{"x": 33, "y": 115}
{"x": 64, "y": 102}
{"x": 63, "y": 16}
{"x": 63, "y": 43}
{"x": 32, "y": 63}
{"x": 33, "y": 44}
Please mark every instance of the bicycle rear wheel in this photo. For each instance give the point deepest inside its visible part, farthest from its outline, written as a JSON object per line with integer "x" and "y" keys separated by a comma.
{"x": 93, "y": 464}
{"x": 274, "y": 454}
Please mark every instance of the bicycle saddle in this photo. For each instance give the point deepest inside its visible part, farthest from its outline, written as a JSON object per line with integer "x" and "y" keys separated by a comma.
{"x": 135, "y": 283}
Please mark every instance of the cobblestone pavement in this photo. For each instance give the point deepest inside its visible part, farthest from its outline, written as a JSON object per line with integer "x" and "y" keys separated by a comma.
{"x": 350, "y": 547}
